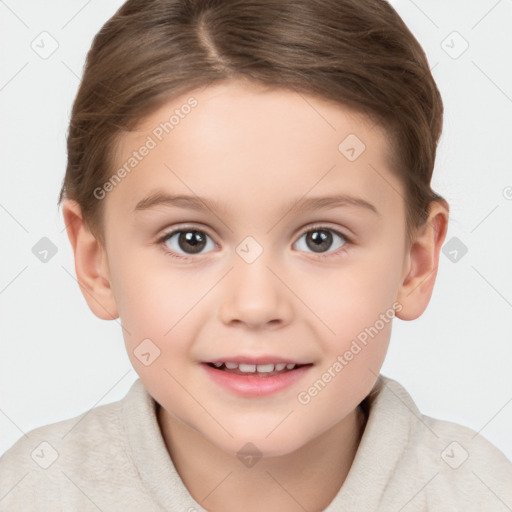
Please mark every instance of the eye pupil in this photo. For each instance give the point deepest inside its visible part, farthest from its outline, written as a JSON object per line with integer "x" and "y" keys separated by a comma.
{"x": 195, "y": 240}
{"x": 320, "y": 239}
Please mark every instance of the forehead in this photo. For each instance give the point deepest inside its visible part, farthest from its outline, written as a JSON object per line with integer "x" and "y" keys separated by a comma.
{"x": 243, "y": 143}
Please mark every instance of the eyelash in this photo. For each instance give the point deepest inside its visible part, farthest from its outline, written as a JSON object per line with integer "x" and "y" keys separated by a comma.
{"x": 161, "y": 241}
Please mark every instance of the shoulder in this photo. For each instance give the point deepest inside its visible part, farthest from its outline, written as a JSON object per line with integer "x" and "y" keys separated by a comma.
{"x": 468, "y": 463}
{"x": 90, "y": 447}
{"x": 80, "y": 431}
{"x": 457, "y": 465}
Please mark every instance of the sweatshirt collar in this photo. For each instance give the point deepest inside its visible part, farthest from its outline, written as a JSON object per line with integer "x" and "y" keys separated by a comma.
{"x": 386, "y": 433}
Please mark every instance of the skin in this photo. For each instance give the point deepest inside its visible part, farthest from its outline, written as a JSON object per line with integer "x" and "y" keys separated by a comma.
{"x": 257, "y": 150}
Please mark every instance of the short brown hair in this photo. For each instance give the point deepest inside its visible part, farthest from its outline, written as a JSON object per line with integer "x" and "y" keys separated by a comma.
{"x": 358, "y": 53}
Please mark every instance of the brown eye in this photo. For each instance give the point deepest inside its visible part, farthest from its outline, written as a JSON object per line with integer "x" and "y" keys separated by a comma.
{"x": 188, "y": 241}
{"x": 321, "y": 240}
{"x": 318, "y": 240}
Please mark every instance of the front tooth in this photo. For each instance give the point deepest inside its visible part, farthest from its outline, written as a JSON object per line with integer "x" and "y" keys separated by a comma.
{"x": 290, "y": 366}
{"x": 265, "y": 368}
{"x": 280, "y": 366}
{"x": 247, "y": 368}
{"x": 231, "y": 366}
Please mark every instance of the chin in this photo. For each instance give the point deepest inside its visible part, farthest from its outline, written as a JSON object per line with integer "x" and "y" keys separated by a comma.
{"x": 256, "y": 443}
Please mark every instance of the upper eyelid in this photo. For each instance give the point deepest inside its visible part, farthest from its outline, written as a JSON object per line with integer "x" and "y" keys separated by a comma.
{"x": 167, "y": 234}
{"x": 319, "y": 226}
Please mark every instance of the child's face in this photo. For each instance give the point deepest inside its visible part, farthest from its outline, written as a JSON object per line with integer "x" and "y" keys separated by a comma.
{"x": 254, "y": 155}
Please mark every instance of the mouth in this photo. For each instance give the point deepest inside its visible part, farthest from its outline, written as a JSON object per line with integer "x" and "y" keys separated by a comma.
{"x": 249, "y": 377}
{"x": 255, "y": 370}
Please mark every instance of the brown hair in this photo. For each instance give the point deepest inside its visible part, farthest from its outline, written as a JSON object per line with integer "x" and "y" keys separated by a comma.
{"x": 357, "y": 53}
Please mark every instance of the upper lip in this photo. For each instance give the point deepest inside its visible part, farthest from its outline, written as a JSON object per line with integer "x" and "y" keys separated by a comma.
{"x": 255, "y": 360}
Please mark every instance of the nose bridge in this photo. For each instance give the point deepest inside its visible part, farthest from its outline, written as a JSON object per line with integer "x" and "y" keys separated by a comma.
{"x": 253, "y": 294}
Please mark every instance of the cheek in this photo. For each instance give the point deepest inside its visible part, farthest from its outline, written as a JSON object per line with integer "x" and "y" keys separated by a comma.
{"x": 358, "y": 307}
{"x": 355, "y": 304}
{"x": 352, "y": 298}
{"x": 161, "y": 304}
{"x": 149, "y": 293}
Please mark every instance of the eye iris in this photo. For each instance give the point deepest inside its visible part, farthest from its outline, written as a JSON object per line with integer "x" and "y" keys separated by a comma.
{"x": 320, "y": 239}
{"x": 195, "y": 240}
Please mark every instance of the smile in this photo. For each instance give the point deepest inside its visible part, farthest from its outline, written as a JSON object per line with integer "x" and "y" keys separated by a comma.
{"x": 253, "y": 380}
{"x": 268, "y": 369}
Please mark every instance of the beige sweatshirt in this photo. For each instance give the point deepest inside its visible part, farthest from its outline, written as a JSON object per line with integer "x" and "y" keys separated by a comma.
{"x": 113, "y": 458}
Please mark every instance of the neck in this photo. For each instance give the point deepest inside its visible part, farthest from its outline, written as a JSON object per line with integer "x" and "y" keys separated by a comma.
{"x": 309, "y": 477}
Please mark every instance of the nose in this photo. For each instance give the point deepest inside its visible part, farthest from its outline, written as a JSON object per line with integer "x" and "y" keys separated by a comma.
{"x": 254, "y": 294}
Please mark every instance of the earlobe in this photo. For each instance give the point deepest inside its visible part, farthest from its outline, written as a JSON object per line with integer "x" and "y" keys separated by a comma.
{"x": 422, "y": 263}
{"x": 91, "y": 265}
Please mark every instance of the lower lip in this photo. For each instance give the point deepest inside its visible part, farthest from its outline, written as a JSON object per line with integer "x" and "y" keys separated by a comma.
{"x": 254, "y": 385}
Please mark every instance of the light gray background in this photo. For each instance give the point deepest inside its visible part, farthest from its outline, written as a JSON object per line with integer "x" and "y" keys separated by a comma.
{"x": 58, "y": 360}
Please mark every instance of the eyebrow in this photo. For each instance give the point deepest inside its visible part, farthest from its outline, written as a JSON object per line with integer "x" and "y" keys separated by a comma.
{"x": 297, "y": 206}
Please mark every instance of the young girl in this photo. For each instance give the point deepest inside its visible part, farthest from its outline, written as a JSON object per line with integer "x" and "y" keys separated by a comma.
{"x": 248, "y": 191}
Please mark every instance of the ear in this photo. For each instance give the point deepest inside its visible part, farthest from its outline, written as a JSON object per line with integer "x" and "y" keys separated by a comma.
{"x": 91, "y": 264}
{"x": 422, "y": 262}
